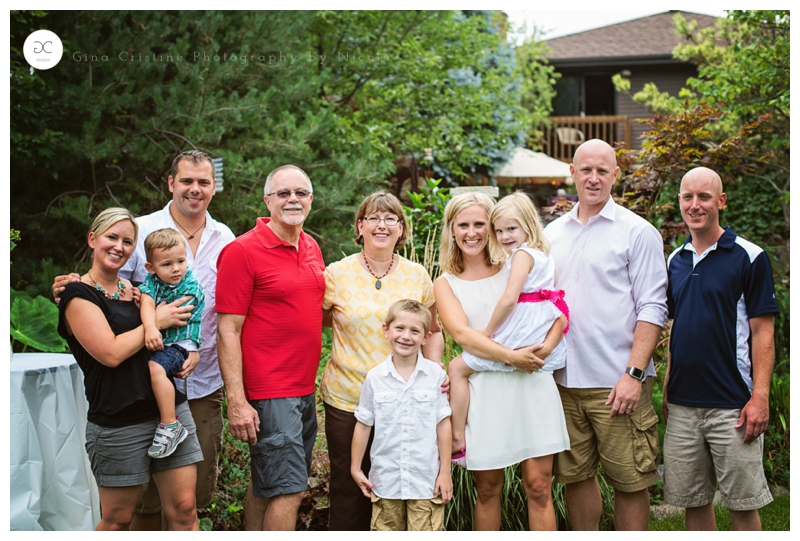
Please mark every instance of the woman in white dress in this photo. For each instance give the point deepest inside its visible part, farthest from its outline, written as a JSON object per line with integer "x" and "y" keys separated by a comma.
{"x": 513, "y": 416}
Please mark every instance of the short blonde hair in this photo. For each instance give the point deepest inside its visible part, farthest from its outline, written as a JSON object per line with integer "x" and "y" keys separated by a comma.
{"x": 450, "y": 256}
{"x": 381, "y": 201}
{"x": 161, "y": 239}
{"x": 109, "y": 217}
{"x": 414, "y": 308}
{"x": 518, "y": 206}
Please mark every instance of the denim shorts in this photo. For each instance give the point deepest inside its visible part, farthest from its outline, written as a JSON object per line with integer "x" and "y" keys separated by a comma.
{"x": 119, "y": 455}
{"x": 280, "y": 461}
{"x": 170, "y": 358}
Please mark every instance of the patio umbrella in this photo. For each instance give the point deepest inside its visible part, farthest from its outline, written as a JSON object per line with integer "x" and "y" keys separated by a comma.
{"x": 526, "y": 163}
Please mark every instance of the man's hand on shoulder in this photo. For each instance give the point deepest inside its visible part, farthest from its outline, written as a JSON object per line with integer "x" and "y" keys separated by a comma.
{"x": 755, "y": 415}
{"x": 61, "y": 282}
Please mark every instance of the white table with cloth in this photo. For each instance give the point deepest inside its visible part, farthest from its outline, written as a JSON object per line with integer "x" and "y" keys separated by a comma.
{"x": 52, "y": 486}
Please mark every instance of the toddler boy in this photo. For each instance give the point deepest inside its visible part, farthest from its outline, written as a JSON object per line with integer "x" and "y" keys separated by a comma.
{"x": 168, "y": 279}
{"x": 409, "y": 482}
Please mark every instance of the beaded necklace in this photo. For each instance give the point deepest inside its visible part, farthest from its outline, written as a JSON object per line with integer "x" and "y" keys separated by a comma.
{"x": 377, "y": 278}
{"x": 110, "y": 296}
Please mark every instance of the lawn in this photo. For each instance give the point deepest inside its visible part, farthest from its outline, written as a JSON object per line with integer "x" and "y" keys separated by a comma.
{"x": 774, "y": 518}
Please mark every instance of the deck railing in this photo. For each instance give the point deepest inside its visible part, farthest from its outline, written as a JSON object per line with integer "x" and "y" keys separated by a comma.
{"x": 563, "y": 134}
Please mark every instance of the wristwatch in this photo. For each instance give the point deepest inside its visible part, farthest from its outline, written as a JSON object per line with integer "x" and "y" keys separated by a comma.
{"x": 636, "y": 373}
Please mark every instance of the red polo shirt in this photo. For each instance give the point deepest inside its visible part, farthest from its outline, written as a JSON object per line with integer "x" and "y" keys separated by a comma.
{"x": 279, "y": 290}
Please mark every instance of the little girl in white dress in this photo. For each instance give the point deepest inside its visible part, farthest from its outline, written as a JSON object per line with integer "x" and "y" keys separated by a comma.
{"x": 529, "y": 312}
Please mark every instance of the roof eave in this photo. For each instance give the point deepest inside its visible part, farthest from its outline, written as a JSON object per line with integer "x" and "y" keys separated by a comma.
{"x": 613, "y": 61}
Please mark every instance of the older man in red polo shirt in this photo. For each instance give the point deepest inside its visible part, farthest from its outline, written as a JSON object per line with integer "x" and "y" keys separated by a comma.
{"x": 269, "y": 314}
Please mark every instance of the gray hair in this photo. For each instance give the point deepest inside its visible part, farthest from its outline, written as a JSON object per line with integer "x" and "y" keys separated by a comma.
{"x": 271, "y": 178}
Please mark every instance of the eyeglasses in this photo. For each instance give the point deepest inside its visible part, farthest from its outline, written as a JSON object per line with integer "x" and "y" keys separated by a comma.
{"x": 389, "y": 220}
{"x": 285, "y": 194}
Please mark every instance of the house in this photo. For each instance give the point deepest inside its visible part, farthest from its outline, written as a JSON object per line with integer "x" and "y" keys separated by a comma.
{"x": 587, "y": 105}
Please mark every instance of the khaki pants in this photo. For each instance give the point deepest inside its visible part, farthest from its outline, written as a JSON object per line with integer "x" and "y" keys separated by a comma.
{"x": 407, "y": 515}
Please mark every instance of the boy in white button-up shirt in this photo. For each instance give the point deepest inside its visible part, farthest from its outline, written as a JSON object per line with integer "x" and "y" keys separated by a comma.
{"x": 409, "y": 481}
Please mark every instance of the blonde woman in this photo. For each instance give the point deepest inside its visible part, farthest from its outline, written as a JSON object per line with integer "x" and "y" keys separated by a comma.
{"x": 101, "y": 324}
{"x": 514, "y": 416}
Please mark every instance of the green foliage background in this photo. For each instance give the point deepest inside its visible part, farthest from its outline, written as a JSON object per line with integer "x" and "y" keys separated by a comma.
{"x": 342, "y": 94}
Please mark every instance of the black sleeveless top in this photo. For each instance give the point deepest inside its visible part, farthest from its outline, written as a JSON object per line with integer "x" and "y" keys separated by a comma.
{"x": 119, "y": 396}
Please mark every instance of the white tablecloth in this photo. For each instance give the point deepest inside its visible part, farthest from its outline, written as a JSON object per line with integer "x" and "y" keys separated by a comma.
{"x": 52, "y": 486}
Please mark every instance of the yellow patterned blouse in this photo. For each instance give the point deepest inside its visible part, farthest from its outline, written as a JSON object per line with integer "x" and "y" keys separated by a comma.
{"x": 358, "y": 311}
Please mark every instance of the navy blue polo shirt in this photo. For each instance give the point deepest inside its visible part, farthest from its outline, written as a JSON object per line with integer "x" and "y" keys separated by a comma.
{"x": 711, "y": 303}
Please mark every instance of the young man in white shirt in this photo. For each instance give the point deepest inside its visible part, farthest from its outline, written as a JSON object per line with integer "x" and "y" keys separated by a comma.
{"x": 409, "y": 482}
{"x": 610, "y": 264}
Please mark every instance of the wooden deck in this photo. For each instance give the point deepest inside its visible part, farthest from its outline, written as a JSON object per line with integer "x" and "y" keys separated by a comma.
{"x": 563, "y": 134}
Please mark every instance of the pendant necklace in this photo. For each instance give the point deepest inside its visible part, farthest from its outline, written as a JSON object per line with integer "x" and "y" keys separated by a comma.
{"x": 191, "y": 235}
{"x": 110, "y": 296}
{"x": 377, "y": 278}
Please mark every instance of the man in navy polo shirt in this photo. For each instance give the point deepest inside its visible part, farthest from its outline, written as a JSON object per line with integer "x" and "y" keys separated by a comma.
{"x": 722, "y": 301}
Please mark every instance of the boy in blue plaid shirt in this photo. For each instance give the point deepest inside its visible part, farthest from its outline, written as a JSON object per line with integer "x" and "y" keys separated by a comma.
{"x": 168, "y": 279}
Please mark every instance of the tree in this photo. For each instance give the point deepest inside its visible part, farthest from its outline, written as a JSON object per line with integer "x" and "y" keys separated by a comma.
{"x": 404, "y": 81}
{"x": 743, "y": 69}
{"x": 340, "y": 94}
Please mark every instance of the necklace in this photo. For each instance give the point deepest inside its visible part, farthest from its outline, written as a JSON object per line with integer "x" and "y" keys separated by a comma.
{"x": 191, "y": 235}
{"x": 110, "y": 296}
{"x": 377, "y": 278}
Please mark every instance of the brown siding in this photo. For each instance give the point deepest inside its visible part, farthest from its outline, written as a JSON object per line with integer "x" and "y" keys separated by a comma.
{"x": 669, "y": 79}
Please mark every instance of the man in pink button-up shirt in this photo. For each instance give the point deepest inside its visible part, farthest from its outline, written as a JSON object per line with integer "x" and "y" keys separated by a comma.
{"x": 610, "y": 264}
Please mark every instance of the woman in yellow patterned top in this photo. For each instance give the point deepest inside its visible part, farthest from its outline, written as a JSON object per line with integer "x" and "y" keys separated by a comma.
{"x": 359, "y": 290}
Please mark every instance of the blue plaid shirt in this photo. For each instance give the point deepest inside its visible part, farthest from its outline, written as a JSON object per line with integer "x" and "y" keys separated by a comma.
{"x": 161, "y": 291}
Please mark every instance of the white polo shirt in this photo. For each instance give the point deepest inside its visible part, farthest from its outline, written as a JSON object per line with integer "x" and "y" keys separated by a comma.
{"x": 613, "y": 273}
{"x": 404, "y": 416}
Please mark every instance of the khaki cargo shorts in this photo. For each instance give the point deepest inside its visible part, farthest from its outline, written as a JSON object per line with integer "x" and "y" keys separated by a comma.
{"x": 626, "y": 445}
{"x": 407, "y": 515}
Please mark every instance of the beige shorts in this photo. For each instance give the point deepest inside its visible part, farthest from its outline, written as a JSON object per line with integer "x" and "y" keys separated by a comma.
{"x": 407, "y": 515}
{"x": 702, "y": 451}
{"x": 626, "y": 445}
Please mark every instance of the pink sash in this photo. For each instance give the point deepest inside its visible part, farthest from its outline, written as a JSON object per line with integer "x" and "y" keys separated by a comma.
{"x": 556, "y": 297}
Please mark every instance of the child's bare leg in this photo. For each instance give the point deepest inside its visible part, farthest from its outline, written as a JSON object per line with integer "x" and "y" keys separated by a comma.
{"x": 164, "y": 391}
{"x": 459, "y": 374}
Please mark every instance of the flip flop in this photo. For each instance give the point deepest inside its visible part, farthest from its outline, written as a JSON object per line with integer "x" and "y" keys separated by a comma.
{"x": 459, "y": 458}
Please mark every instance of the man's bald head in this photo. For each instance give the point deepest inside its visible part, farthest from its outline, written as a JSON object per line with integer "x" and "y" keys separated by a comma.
{"x": 711, "y": 177}
{"x": 596, "y": 147}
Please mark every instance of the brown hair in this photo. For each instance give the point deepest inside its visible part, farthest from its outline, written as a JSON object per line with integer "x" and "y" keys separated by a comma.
{"x": 382, "y": 201}
{"x": 194, "y": 157}
{"x": 161, "y": 239}
{"x": 412, "y": 307}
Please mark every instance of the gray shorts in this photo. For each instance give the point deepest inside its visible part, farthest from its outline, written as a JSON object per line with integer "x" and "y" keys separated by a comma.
{"x": 703, "y": 450}
{"x": 280, "y": 461}
{"x": 119, "y": 455}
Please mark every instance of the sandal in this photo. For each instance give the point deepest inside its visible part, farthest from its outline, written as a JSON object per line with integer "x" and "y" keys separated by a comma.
{"x": 459, "y": 458}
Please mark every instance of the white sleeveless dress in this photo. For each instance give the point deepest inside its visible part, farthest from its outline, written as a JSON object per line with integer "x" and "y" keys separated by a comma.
{"x": 529, "y": 322}
{"x": 512, "y": 416}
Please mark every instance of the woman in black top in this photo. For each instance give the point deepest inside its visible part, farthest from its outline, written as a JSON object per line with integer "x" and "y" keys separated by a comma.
{"x": 103, "y": 329}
